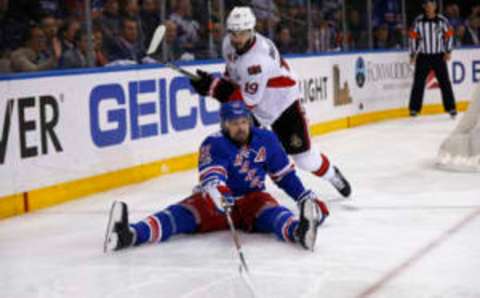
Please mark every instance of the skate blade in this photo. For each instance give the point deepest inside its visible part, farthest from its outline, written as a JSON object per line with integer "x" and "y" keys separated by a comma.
{"x": 311, "y": 213}
{"x": 111, "y": 239}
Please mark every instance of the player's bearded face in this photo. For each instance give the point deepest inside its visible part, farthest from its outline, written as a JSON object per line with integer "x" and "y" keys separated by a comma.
{"x": 239, "y": 129}
{"x": 239, "y": 39}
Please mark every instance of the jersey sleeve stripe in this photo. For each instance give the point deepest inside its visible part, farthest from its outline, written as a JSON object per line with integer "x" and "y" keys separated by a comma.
{"x": 277, "y": 176}
{"x": 211, "y": 171}
{"x": 281, "y": 82}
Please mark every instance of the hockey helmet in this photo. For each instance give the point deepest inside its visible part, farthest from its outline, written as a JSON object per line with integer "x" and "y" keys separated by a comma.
{"x": 241, "y": 18}
{"x": 233, "y": 110}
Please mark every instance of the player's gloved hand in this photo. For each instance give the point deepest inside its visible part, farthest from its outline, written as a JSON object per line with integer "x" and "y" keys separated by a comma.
{"x": 220, "y": 194}
{"x": 310, "y": 195}
{"x": 203, "y": 83}
{"x": 228, "y": 202}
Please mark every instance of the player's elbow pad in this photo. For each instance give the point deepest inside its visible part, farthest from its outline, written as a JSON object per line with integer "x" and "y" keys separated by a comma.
{"x": 223, "y": 90}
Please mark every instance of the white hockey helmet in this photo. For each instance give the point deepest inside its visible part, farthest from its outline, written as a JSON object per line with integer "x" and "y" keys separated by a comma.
{"x": 241, "y": 18}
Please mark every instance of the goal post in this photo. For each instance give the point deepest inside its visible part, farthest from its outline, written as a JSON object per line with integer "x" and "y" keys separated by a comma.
{"x": 461, "y": 150}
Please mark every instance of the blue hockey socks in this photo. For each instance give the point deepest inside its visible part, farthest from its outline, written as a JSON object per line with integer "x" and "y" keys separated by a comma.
{"x": 160, "y": 226}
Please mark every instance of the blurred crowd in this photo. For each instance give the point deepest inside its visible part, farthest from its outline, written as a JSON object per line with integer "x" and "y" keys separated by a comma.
{"x": 51, "y": 34}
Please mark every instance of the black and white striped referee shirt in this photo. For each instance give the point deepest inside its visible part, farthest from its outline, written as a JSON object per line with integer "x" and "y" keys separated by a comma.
{"x": 431, "y": 36}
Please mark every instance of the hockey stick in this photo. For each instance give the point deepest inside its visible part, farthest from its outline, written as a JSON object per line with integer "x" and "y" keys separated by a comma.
{"x": 156, "y": 39}
{"x": 153, "y": 47}
{"x": 242, "y": 268}
{"x": 185, "y": 72}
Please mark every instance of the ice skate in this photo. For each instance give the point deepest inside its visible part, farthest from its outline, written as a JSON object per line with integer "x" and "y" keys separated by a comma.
{"x": 118, "y": 234}
{"x": 340, "y": 183}
{"x": 312, "y": 215}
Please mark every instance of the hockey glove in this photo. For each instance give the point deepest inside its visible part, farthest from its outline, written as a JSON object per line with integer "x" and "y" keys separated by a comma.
{"x": 220, "y": 194}
{"x": 219, "y": 88}
{"x": 202, "y": 83}
{"x": 310, "y": 195}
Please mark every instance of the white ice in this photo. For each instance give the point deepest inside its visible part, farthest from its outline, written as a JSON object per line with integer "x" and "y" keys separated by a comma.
{"x": 409, "y": 230}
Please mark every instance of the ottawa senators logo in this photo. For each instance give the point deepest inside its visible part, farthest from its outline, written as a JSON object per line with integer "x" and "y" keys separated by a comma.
{"x": 296, "y": 141}
{"x": 254, "y": 69}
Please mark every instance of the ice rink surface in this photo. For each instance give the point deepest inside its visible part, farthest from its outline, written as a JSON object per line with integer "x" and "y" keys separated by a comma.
{"x": 409, "y": 230}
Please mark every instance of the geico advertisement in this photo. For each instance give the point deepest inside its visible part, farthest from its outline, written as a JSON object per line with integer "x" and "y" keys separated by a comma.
{"x": 58, "y": 129}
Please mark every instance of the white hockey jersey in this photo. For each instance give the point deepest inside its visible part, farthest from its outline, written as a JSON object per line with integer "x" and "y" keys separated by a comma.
{"x": 267, "y": 84}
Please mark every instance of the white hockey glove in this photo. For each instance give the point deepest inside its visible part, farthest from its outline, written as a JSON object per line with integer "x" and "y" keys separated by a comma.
{"x": 220, "y": 194}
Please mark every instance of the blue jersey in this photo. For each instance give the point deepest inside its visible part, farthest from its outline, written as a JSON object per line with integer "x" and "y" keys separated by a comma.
{"x": 244, "y": 168}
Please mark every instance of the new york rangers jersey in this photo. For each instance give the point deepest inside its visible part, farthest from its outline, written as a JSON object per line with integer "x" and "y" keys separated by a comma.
{"x": 267, "y": 84}
{"x": 244, "y": 169}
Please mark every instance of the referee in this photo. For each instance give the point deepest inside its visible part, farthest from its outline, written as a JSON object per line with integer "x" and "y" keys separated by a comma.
{"x": 431, "y": 41}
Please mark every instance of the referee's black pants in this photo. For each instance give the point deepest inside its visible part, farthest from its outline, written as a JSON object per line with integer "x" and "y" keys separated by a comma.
{"x": 424, "y": 64}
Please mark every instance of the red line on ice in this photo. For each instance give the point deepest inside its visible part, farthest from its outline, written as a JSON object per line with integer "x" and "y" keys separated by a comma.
{"x": 375, "y": 287}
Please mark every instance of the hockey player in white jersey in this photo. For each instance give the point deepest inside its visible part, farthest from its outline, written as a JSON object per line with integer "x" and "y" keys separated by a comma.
{"x": 257, "y": 74}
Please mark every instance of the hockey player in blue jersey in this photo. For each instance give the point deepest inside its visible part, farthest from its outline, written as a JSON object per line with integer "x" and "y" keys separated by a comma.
{"x": 233, "y": 165}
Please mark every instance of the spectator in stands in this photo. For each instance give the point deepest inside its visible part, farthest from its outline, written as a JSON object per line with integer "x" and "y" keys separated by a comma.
{"x": 296, "y": 24}
{"x": 330, "y": 9}
{"x": 76, "y": 56}
{"x": 50, "y": 27}
{"x": 472, "y": 33}
{"x": 127, "y": 48}
{"x": 266, "y": 13}
{"x": 452, "y": 13}
{"x": 387, "y": 12}
{"x": 150, "y": 17}
{"x": 131, "y": 10}
{"x": 172, "y": 45}
{"x": 187, "y": 28}
{"x": 101, "y": 58}
{"x": 383, "y": 39}
{"x": 323, "y": 37}
{"x": 29, "y": 57}
{"x": 67, "y": 33}
{"x": 217, "y": 32}
{"x": 285, "y": 43}
{"x": 476, "y": 10}
{"x": 359, "y": 37}
{"x": 110, "y": 20}
{"x": 459, "y": 36}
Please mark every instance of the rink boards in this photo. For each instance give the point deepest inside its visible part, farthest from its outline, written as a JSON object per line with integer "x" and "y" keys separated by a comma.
{"x": 69, "y": 134}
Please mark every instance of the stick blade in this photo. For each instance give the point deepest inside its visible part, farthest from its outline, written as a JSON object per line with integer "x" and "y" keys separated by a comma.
{"x": 156, "y": 39}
